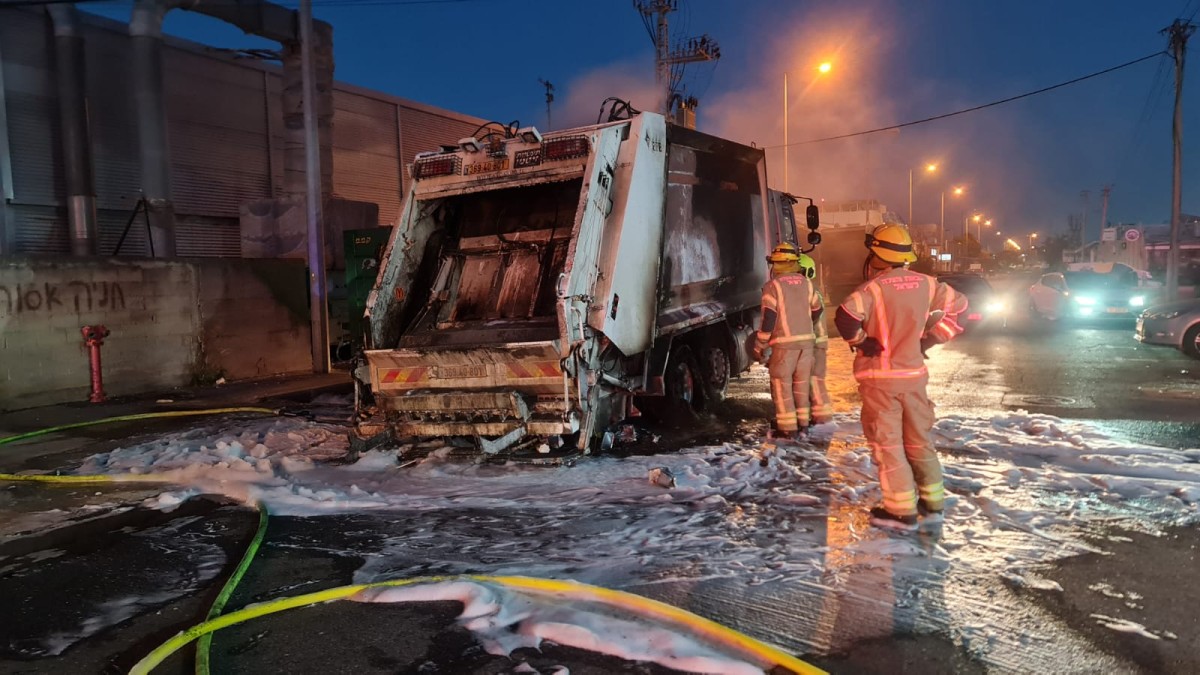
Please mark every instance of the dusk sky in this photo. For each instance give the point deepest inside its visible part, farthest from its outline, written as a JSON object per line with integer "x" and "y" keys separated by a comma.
{"x": 1024, "y": 163}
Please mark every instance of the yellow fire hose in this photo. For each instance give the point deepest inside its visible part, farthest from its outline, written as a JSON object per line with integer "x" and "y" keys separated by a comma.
{"x": 138, "y": 416}
{"x": 653, "y": 609}
{"x": 568, "y": 589}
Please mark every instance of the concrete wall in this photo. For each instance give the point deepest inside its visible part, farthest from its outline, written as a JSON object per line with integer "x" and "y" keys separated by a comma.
{"x": 173, "y": 323}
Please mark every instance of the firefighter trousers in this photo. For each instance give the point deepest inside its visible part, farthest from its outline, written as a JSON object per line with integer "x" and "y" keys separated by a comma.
{"x": 897, "y": 419}
{"x": 818, "y": 394}
{"x": 790, "y": 369}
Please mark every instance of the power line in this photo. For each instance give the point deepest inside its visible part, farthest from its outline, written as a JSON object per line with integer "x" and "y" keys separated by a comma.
{"x": 318, "y": 3}
{"x": 975, "y": 108}
{"x": 1154, "y": 97}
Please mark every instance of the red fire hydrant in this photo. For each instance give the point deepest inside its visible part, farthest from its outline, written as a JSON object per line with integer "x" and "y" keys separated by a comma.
{"x": 93, "y": 337}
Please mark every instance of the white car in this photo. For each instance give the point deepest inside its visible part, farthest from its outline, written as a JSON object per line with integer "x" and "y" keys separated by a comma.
{"x": 1088, "y": 294}
{"x": 1175, "y": 323}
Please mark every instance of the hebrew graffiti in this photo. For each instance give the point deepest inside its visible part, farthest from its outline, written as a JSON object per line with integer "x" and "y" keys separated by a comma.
{"x": 82, "y": 296}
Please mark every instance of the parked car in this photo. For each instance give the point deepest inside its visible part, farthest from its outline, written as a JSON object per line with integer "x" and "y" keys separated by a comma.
{"x": 1119, "y": 292}
{"x": 1174, "y": 323}
{"x": 987, "y": 306}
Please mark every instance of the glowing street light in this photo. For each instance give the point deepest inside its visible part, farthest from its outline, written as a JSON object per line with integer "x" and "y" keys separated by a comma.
{"x": 823, "y": 69}
{"x": 980, "y": 223}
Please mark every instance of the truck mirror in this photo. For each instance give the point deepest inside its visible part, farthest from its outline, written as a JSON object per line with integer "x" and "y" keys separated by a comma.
{"x": 813, "y": 215}
{"x": 814, "y": 238}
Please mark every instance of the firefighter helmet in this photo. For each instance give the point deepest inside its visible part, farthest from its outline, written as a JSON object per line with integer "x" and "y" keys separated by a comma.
{"x": 783, "y": 254}
{"x": 808, "y": 266}
{"x": 892, "y": 243}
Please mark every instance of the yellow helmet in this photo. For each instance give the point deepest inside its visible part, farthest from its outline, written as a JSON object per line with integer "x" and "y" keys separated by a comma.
{"x": 784, "y": 254}
{"x": 807, "y": 265}
{"x": 892, "y": 243}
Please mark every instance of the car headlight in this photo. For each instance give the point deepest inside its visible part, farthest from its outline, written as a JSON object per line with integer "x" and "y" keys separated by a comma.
{"x": 1085, "y": 300}
{"x": 1163, "y": 315}
{"x": 996, "y": 307}
{"x": 1137, "y": 301}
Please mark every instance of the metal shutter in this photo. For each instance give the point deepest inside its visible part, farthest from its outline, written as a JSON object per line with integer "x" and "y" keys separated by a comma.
{"x": 365, "y": 145}
{"x": 200, "y": 236}
{"x": 110, "y": 224}
{"x": 40, "y": 230}
{"x": 113, "y": 124}
{"x": 33, "y": 132}
{"x": 423, "y": 131}
{"x": 217, "y": 126}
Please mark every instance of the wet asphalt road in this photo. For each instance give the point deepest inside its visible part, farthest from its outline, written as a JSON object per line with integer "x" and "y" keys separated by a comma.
{"x": 1093, "y": 372}
{"x": 1089, "y": 370}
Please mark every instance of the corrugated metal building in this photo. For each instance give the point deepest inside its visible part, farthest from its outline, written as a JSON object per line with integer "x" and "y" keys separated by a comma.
{"x": 226, "y": 139}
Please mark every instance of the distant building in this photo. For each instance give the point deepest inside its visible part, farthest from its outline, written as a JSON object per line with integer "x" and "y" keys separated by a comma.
{"x": 1146, "y": 247}
{"x": 856, "y": 213}
{"x": 229, "y": 151}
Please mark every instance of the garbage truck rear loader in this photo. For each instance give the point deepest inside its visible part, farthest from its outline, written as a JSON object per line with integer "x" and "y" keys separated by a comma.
{"x": 539, "y": 286}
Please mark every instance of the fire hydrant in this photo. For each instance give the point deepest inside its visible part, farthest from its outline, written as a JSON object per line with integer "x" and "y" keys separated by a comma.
{"x": 93, "y": 337}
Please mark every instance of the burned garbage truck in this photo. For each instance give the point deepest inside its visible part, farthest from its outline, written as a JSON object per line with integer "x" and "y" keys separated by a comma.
{"x": 548, "y": 286}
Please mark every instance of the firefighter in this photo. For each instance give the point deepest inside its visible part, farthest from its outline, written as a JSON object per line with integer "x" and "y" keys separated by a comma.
{"x": 789, "y": 308}
{"x": 889, "y": 321}
{"x": 818, "y": 393}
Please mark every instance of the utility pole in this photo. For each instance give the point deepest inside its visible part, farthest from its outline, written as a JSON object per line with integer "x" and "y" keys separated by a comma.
{"x": 1179, "y": 32}
{"x": 1085, "y": 195}
{"x": 691, "y": 50}
{"x": 549, "y": 99}
{"x": 1104, "y": 193}
{"x": 318, "y": 298}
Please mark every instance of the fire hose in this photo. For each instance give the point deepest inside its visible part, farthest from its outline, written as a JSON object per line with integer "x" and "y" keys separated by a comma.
{"x": 138, "y": 416}
{"x": 216, "y": 620}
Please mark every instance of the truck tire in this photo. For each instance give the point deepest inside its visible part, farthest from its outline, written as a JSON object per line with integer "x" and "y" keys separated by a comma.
{"x": 715, "y": 368}
{"x": 683, "y": 384}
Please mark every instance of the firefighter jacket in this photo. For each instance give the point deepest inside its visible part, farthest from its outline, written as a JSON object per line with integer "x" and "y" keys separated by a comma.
{"x": 895, "y": 309}
{"x": 820, "y": 330}
{"x": 790, "y": 305}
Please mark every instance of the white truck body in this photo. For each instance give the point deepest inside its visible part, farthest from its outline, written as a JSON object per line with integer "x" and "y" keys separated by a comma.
{"x": 535, "y": 286}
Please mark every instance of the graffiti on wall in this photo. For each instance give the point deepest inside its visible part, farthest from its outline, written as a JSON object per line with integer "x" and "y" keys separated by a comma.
{"x": 81, "y": 296}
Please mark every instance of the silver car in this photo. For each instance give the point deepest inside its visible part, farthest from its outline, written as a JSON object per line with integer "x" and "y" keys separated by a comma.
{"x": 1175, "y": 323}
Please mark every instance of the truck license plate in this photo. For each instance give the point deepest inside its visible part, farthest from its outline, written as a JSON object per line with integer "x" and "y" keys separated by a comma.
{"x": 487, "y": 166}
{"x": 460, "y": 372}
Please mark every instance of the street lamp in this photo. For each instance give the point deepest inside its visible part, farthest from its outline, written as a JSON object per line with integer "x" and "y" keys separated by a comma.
{"x": 957, "y": 191}
{"x": 929, "y": 168}
{"x": 967, "y": 231}
{"x": 979, "y": 227}
{"x": 822, "y": 69}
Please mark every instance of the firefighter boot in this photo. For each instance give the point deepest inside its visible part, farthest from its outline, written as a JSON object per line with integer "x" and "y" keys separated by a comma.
{"x": 881, "y": 517}
{"x": 927, "y": 514}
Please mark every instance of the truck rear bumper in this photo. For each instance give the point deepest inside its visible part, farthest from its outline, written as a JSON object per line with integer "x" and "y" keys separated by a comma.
{"x": 477, "y": 413}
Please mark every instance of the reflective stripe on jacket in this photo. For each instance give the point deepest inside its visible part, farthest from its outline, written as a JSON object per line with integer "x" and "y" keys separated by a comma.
{"x": 894, "y": 308}
{"x": 788, "y": 304}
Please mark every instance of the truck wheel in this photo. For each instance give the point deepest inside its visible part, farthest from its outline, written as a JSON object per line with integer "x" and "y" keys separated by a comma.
{"x": 683, "y": 384}
{"x": 715, "y": 367}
